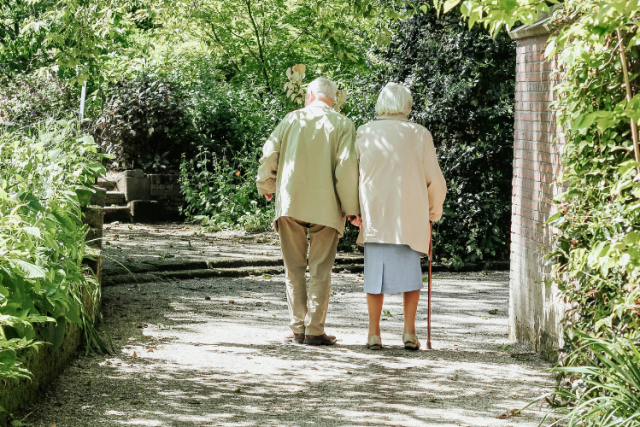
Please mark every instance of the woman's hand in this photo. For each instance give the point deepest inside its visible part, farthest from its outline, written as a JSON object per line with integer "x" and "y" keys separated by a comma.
{"x": 268, "y": 197}
{"x": 355, "y": 220}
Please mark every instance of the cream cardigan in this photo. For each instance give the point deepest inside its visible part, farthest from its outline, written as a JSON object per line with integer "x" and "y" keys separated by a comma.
{"x": 401, "y": 185}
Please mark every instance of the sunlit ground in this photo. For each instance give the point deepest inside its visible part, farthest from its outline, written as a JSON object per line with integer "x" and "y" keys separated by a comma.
{"x": 209, "y": 352}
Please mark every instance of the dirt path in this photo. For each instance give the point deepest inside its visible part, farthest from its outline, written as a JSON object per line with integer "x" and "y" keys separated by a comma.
{"x": 208, "y": 352}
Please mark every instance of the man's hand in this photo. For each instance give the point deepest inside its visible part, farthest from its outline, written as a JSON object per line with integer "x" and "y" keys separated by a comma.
{"x": 355, "y": 220}
{"x": 268, "y": 197}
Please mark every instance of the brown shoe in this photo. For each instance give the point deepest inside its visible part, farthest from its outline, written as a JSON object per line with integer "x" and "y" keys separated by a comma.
{"x": 292, "y": 337}
{"x": 323, "y": 339}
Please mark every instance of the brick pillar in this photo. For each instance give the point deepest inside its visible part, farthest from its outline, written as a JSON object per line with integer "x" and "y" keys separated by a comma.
{"x": 535, "y": 309}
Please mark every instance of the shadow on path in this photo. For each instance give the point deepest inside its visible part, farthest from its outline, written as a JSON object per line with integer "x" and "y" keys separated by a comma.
{"x": 208, "y": 352}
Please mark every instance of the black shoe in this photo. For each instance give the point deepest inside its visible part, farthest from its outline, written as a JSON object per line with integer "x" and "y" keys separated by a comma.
{"x": 292, "y": 337}
{"x": 323, "y": 339}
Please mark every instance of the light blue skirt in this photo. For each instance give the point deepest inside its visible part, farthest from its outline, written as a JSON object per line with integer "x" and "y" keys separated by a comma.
{"x": 390, "y": 269}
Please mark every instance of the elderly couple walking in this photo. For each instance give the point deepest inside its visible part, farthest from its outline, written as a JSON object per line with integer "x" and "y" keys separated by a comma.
{"x": 384, "y": 178}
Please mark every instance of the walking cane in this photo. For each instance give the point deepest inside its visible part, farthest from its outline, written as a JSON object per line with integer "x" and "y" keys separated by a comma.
{"x": 429, "y": 287}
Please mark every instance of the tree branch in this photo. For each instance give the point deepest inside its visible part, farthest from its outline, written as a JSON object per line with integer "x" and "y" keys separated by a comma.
{"x": 215, "y": 36}
{"x": 625, "y": 72}
{"x": 257, "y": 33}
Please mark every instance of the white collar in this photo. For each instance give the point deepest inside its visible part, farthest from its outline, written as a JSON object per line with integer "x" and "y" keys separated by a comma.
{"x": 401, "y": 117}
{"x": 321, "y": 104}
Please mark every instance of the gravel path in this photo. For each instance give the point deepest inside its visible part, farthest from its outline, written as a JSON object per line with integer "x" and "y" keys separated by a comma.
{"x": 208, "y": 352}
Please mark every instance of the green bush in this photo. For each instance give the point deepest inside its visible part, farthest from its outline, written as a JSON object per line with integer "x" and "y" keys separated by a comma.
{"x": 222, "y": 196}
{"x": 143, "y": 124}
{"x": 606, "y": 394}
{"x": 46, "y": 177}
{"x": 29, "y": 98}
{"x": 219, "y": 181}
{"x": 596, "y": 249}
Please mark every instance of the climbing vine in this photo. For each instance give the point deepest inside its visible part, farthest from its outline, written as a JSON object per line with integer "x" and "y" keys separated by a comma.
{"x": 596, "y": 250}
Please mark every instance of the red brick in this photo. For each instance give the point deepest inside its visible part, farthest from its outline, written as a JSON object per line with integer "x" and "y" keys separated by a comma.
{"x": 534, "y": 96}
{"x": 519, "y": 232}
{"x": 545, "y": 208}
{"x": 534, "y": 116}
{"x": 534, "y": 175}
{"x": 530, "y": 126}
{"x": 532, "y": 214}
{"x": 534, "y": 87}
{"x": 534, "y": 196}
{"x": 533, "y": 106}
{"x": 553, "y": 159}
{"x": 545, "y": 137}
{"x": 532, "y": 165}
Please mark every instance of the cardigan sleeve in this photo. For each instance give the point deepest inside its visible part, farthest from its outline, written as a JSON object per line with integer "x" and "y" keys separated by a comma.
{"x": 346, "y": 171}
{"x": 436, "y": 184}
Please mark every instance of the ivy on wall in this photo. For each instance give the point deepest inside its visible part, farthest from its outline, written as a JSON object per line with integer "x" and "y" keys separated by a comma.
{"x": 596, "y": 251}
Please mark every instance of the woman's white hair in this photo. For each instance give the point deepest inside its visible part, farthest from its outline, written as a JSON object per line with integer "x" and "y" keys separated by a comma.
{"x": 323, "y": 87}
{"x": 394, "y": 99}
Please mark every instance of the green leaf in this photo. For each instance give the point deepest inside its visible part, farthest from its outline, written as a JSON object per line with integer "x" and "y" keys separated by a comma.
{"x": 33, "y": 231}
{"x": 450, "y": 4}
{"x": 632, "y": 238}
{"x": 627, "y": 166}
{"x": 31, "y": 271}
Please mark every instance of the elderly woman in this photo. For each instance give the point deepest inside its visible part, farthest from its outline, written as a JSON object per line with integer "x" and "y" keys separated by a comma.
{"x": 402, "y": 189}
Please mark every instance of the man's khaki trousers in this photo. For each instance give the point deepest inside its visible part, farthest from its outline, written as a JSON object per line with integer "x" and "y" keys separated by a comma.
{"x": 308, "y": 309}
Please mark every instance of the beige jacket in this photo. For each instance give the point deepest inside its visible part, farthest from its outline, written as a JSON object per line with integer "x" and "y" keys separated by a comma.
{"x": 310, "y": 164}
{"x": 401, "y": 185}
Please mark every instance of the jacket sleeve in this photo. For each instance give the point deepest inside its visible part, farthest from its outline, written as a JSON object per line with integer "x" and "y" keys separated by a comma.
{"x": 436, "y": 185}
{"x": 346, "y": 171}
{"x": 268, "y": 169}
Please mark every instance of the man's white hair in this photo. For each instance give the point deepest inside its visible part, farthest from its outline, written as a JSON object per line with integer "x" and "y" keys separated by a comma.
{"x": 323, "y": 87}
{"x": 394, "y": 99}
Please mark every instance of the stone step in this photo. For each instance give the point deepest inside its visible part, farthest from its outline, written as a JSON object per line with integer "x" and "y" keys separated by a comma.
{"x": 115, "y": 198}
{"x": 100, "y": 197}
{"x": 117, "y": 213}
{"x": 154, "y": 264}
{"x": 158, "y": 276}
{"x": 161, "y": 270}
{"x": 107, "y": 185}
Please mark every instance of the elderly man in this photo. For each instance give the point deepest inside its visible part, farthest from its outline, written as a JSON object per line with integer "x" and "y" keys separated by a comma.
{"x": 310, "y": 164}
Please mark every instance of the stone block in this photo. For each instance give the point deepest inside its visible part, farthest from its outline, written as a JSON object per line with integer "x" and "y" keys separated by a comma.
{"x": 134, "y": 186}
{"x": 135, "y": 173}
{"x": 100, "y": 197}
{"x": 151, "y": 211}
{"x": 93, "y": 216}
{"x": 117, "y": 213}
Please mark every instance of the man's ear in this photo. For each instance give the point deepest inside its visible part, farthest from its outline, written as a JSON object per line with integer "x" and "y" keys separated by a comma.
{"x": 310, "y": 97}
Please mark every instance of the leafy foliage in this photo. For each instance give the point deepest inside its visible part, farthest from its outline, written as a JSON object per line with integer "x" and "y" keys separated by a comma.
{"x": 606, "y": 394}
{"x": 595, "y": 251}
{"x": 143, "y": 124}
{"x": 219, "y": 181}
{"x": 75, "y": 39}
{"x": 221, "y": 196}
{"x": 598, "y": 226}
{"x": 45, "y": 179}
{"x": 260, "y": 38}
{"x": 29, "y": 98}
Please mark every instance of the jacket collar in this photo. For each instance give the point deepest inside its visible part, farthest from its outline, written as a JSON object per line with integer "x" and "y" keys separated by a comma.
{"x": 401, "y": 117}
{"x": 320, "y": 104}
